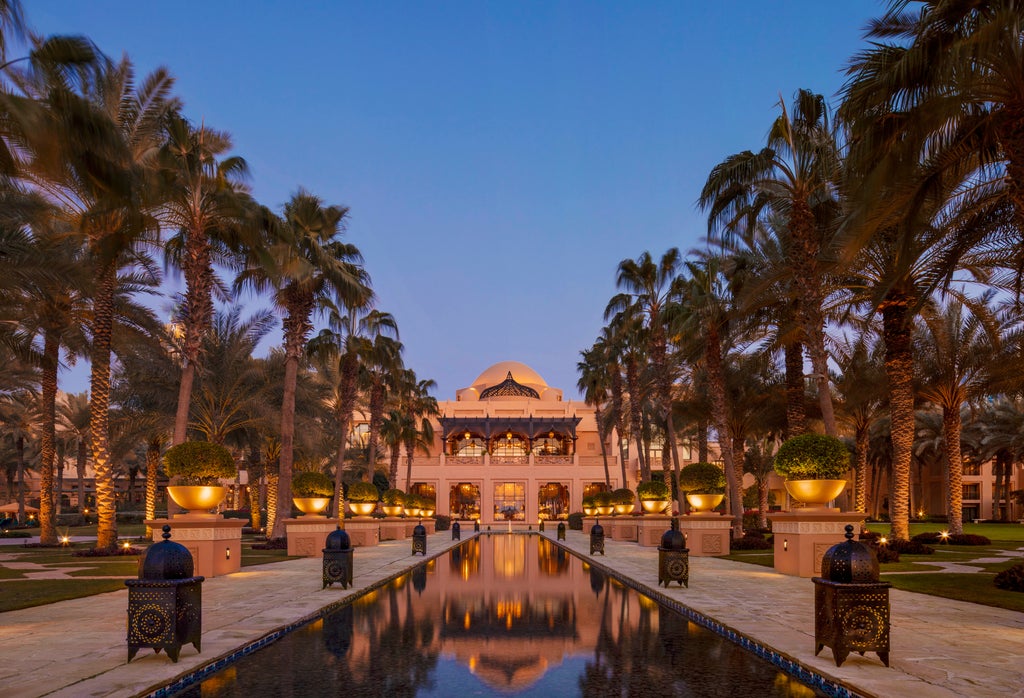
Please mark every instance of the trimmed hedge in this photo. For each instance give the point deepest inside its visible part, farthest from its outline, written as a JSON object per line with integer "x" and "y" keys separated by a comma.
{"x": 812, "y": 457}
{"x": 652, "y": 490}
{"x": 199, "y": 463}
{"x": 623, "y": 496}
{"x": 935, "y": 538}
{"x": 702, "y": 478}
{"x": 1011, "y": 579}
{"x": 365, "y": 492}
{"x": 442, "y": 522}
{"x": 310, "y": 483}
{"x": 576, "y": 521}
{"x": 751, "y": 540}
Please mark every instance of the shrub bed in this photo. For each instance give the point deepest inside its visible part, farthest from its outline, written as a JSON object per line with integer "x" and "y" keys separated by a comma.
{"x": 752, "y": 540}
{"x": 934, "y": 538}
{"x": 576, "y": 521}
{"x": 884, "y": 553}
{"x": 442, "y": 522}
{"x": 1011, "y": 579}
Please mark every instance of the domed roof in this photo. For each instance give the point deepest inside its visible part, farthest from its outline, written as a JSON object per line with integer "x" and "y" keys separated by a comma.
{"x": 509, "y": 388}
{"x": 497, "y": 373}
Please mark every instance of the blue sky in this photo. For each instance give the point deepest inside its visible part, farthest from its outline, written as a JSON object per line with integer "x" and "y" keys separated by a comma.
{"x": 499, "y": 158}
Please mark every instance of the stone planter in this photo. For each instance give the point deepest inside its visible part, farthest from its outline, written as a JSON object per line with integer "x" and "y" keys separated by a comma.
{"x": 704, "y": 502}
{"x": 815, "y": 493}
{"x": 362, "y": 508}
{"x": 311, "y": 506}
{"x": 624, "y": 508}
{"x": 654, "y": 506}
{"x": 197, "y": 498}
{"x": 392, "y": 510}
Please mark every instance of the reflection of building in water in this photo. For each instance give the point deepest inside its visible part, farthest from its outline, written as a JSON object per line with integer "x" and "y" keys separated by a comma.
{"x": 508, "y": 448}
{"x": 524, "y": 608}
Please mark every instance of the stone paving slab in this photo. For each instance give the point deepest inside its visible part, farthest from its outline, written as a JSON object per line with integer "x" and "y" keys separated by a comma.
{"x": 940, "y": 647}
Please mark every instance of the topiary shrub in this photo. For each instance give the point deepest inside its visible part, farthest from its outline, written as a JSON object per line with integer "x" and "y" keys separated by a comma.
{"x": 588, "y": 501}
{"x": 575, "y": 521}
{"x": 935, "y": 538}
{"x": 1011, "y": 579}
{"x": 812, "y": 457}
{"x": 752, "y": 540}
{"x": 884, "y": 553}
{"x": 442, "y": 522}
{"x": 199, "y": 463}
{"x": 622, "y": 496}
{"x": 702, "y": 478}
{"x": 603, "y": 499}
{"x": 652, "y": 490}
{"x": 310, "y": 483}
{"x": 869, "y": 536}
{"x": 910, "y": 547}
{"x": 364, "y": 492}
{"x": 393, "y": 498}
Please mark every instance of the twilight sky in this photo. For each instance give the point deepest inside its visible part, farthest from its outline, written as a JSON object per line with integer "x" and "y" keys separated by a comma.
{"x": 499, "y": 158}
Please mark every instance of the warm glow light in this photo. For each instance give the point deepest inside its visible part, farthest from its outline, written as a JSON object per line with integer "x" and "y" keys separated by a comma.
{"x": 883, "y": 540}
{"x": 467, "y": 436}
{"x": 509, "y": 436}
{"x": 126, "y": 545}
{"x": 785, "y": 543}
{"x": 227, "y": 553}
{"x": 65, "y": 540}
{"x": 944, "y": 535}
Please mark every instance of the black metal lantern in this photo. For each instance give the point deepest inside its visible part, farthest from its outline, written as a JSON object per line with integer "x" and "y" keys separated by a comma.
{"x": 561, "y": 530}
{"x": 165, "y": 604}
{"x": 476, "y": 526}
{"x": 337, "y": 559}
{"x": 673, "y": 559}
{"x": 597, "y": 538}
{"x": 419, "y": 540}
{"x": 456, "y": 531}
{"x": 540, "y": 526}
{"x": 851, "y": 607}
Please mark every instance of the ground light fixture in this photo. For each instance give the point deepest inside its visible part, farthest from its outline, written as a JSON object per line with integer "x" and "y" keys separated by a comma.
{"x": 944, "y": 535}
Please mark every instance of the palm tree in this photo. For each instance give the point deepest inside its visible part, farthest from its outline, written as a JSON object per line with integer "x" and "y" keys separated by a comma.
{"x": 313, "y": 268}
{"x": 381, "y": 363}
{"x": 705, "y": 320}
{"x": 16, "y": 414}
{"x": 954, "y": 348}
{"x": 420, "y": 407}
{"x": 861, "y": 387}
{"x": 73, "y": 417}
{"x": 594, "y": 384}
{"x": 948, "y": 77}
{"x": 629, "y": 346}
{"x": 205, "y": 207}
{"x": 793, "y": 177}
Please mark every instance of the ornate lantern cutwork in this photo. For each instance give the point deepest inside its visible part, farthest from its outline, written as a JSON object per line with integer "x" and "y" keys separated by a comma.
{"x": 597, "y": 538}
{"x": 419, "y": 540}
{"x": 165, "y": 604}
{"x": 851, "y": 607}
{"x": 673, "y": 559}
{"x": 337, "y": 559}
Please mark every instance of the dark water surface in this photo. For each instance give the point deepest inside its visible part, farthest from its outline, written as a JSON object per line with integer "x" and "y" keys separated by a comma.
{"x": 502, "y": 615}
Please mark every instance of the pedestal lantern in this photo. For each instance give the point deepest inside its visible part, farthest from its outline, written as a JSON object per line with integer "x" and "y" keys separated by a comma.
{"x": 851, "y": 607}
{"x": 419, "y": 540}
{"x": 337, "y": 559}
{"x": 165, "y": 604}
{"x": 673, "y": 559}
{"x": 456, "y": 531}
{"x": 476, "y": 526}
{"x": 561, "y": 531}
{"x": 597, "y": 538}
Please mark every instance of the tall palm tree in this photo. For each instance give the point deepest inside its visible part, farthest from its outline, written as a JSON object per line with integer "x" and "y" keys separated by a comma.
{"x": 954, "y": 349}
{"x": 382, "y": 366}
{"x": 206, "y": 208}
{"x": 705, "y": 321}
{"x": 313, "y": 269}
{"x": 419, "y": 407}
{"x": 73, "y": 417}
{"x": 629, "y": 345}
{"x": 594, "y": 384}
{"x": 793, "y": 177}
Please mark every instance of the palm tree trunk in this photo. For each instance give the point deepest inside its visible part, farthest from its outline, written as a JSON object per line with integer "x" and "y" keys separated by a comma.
{"x": 955, "y": 467}
{"x": 762, "y": 502}
{"x": 80, "y": 463}
{"x": 272, "y": 485}
{"x": 796, "y": 410}
{"x": 702, "y": 441}
{"x": 635, "y": 417}
{"x": 50, "y": 361}
{"x": 393, "y": 465}
{"x": 188, "y": 373}
{"x": 860, "y": 470}
{"x": 99, "y": 413}
{"x": 19, "y": 447}
{"x": 720, "y": 413}
{"x": 604, "y": 450}
{"x": 284, "y": 473}
{"x": 152, "y": 465}
{"x": 899, "y": 367}
{"x": 58, "y": 499}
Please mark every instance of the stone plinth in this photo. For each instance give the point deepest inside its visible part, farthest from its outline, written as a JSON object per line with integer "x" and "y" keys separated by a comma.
{"x": 650, "y": 529}
{"x": 363, "y": 531}
{"x": 214, "y": 542}
{"x": 307, "y": 535}
{"x": 623, "y": 527}
{"x": 393, "y": 528}
{"x": 802, "y": 537}
{"x": 707, "y": 534}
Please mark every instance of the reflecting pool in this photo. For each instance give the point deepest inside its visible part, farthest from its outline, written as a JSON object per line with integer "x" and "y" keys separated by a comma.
{"x": 502, "y": 615}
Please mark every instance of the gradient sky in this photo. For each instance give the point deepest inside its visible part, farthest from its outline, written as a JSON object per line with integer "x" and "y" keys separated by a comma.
{"x": 499, "y": 158}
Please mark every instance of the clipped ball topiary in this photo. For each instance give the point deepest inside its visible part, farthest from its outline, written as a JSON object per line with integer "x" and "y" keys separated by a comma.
{"x": 812, "y": 457}
{"x": 309, "y": 483}
{"x": 393, "y": 497}
{"x": 702, "y": 478}
{"x": 622, "y": 496}
{"x": 604, "y": 499}
{"x": 363, "y": 492}
{"x": 199, "y": 463}
{"x": 652, "y": 490}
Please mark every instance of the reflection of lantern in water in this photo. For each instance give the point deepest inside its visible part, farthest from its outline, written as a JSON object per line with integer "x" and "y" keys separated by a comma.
{"x": 510, "y": 556}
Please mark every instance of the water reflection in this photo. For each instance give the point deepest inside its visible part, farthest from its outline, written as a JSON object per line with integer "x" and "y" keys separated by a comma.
{"x": 507, "y": 615}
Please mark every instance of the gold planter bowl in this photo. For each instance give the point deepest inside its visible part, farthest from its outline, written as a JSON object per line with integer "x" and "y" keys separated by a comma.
{"x": 816, "y": 493}
{"x": 411, "y": 511}
{"x": 392, "y": 509}
{"x": 624, "y": 508}
{"x": 311, "y": 506}
{"x": 362, "y": 508}
{"x": 604, "y": 511}
{"x": 704, "y": 502}
{"x": 654, "y": 506}
{"x": 589, "y": 511}
{"x": 426, "y": 513}
{"x": 197, "y": 498}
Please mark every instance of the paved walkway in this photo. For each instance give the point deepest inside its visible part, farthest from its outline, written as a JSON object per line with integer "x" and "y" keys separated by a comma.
{"x": 940, "y": 647}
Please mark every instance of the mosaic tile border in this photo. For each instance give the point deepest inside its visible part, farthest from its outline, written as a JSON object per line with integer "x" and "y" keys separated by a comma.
{"x": 828, "y": 686}
{"x": 207, "y": 670}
